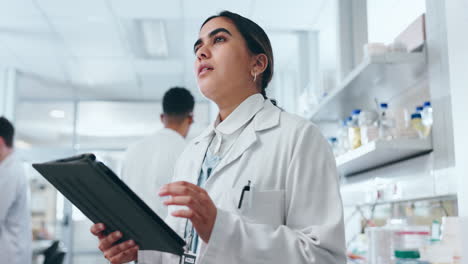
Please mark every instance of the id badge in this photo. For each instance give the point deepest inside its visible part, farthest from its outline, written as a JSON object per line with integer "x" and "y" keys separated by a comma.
{"x": 188, "y": 258}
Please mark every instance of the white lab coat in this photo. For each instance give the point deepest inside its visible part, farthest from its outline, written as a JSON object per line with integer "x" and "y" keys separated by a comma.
{"x": 295, "y": 212}
{"x": 15, "y": 215}
{"x": 149, "y": 164}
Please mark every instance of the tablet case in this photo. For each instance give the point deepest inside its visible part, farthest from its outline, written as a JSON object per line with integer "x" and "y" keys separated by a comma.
{"x": 95, "y": 189}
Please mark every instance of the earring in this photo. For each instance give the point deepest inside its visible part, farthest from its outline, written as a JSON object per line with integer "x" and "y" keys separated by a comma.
{"x": 255, "y": 76}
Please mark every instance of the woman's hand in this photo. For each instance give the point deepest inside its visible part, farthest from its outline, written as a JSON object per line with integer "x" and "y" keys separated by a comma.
{"x": 121, "y": 253}
{"x": 202, "y": 211}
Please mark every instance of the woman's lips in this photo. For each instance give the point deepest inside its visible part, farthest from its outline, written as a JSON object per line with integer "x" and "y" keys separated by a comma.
{"x": 203, "y": 69}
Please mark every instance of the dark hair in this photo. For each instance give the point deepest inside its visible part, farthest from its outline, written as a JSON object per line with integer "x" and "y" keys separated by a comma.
{"x": 178, "y": 102}
{"x": 257, "y": 42}
{"x": 7, "y": 131}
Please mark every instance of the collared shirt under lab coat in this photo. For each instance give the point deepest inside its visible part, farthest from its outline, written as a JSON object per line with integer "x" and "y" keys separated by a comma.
{"x": 295, "y": 212}
{"x": 15, "y": 215}
{"x": 149, "y": 164}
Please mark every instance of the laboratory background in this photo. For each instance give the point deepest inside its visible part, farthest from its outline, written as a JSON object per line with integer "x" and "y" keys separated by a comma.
{"x": 386, "y": 81}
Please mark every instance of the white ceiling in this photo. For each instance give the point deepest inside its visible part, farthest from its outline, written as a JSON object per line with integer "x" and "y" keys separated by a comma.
{"x": 94, "y": 43}
{"x": 93, "y": 49}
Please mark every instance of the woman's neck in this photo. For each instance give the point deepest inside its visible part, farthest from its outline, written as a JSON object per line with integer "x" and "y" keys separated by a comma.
{"x": 227, "y": 108}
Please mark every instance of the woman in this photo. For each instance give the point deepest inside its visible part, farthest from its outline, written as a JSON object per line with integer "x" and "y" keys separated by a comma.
{"x": 290, "y": 210}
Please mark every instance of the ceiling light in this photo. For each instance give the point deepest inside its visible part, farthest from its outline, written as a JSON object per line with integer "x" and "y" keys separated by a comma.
{"x": 22, "y": 144}
{"x": 57, "y": 114}
{"x": 154, "y": 37}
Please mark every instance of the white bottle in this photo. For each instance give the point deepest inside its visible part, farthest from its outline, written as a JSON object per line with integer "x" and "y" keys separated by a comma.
{"x": 343, "y": 140}
{"x": 419, "y": 109}
{"x": 369, "y": 129}
{"x": 386, "y": 123}
{"x": 354, "y": 131}
{"x": 427, "y": 114}
{"x": 427, "y": 118}
{"x": 334, "y": 145}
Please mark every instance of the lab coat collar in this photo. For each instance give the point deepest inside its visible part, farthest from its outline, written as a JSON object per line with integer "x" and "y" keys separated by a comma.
{"x": 266, "y": 116}
{"x": 169, "y": 131}
{"x": 246, "y": 139}
{"x": 241, "y": 115}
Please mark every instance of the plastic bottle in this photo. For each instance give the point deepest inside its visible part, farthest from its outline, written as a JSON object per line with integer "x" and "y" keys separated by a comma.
{"x": 419, "y": 109}
{"x": 354, "y": 132}
{"x": 343, "y": 141}
{"x": 386, "y": 123}
{"x": 379, "y": 245}
{"x": 427, "y": 118}
{"x": 435, "y": 231}
{"x": 348, "y": 121}
{"x": 417, "y": 125}
{"x": 334, "y": 144}
{"x": 368, "y": 126}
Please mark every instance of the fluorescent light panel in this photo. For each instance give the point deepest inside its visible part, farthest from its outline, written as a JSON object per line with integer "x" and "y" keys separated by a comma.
{"x": 154, "y": 37}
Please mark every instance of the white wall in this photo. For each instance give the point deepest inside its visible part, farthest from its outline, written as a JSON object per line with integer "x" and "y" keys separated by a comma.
{"x": 7, "y": 93}
{"x": 291, "y": 50}
{"x": 328, "y": 47}
{"x": 457, "y": 20}
{"x": 388, "y": 18}
{"x": 2, "y": 92}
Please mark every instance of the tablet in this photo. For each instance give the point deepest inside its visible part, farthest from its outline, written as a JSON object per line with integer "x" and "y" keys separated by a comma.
{"x": 97, "y": 191}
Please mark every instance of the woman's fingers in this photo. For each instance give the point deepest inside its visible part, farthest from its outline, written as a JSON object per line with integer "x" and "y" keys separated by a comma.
{"x": 202, "y": 211}
{"x": 119, "y": 248}
{"x": 121, "y": 253}
{"x": 107, "y": 242}
{"x": 179, "y": 188}
{"x": 97, "y": 230}
{"x": 189, "y": 214}
{"x": 128, "y": 255}
{"x": 189, "y": 201}
{"x": 196, "y": 200}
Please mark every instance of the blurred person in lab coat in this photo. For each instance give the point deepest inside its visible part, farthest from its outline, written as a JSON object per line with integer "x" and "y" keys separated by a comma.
{"x": 259, "y": 185}
{"x": 15, "y": 215}
{"x": 149, "y": 164}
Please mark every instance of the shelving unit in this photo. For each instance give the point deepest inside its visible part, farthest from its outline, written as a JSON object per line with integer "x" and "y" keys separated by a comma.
{"x": 381, "y": 152}
{"x": 376, "y": 77}
{"x": 385, "y": 166}
{"x": 398, "y": 188}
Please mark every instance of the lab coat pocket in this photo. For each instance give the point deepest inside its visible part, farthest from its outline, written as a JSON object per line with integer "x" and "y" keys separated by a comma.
{"x": 262, "y": 207}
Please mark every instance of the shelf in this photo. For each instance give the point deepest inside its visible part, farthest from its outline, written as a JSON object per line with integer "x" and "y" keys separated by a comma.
{"x": 409, "y": 183}
{"x": 381, "y": 77}
{"x": 379, "y": 153}
{"x": 449, "y": 197}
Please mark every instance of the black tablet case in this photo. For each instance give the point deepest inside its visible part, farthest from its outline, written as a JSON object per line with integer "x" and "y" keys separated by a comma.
{"x": 95, "y": 189}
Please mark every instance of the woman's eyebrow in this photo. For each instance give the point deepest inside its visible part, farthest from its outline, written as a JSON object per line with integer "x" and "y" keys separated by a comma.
{"x": 212, "y": 33}
{"x": 216, "y": 31}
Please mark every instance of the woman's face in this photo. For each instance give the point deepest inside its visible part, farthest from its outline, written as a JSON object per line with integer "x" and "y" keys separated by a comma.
{"x": 223, "y": 62}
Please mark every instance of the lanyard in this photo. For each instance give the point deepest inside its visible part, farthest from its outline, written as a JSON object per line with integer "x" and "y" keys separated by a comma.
{"x": 190, "y": 233}
{"x": 209, "y": 163}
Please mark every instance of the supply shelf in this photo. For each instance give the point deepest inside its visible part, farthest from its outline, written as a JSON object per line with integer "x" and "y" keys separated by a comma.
{"x": 381, "y": 152}
{"x": 379, "y": 77}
